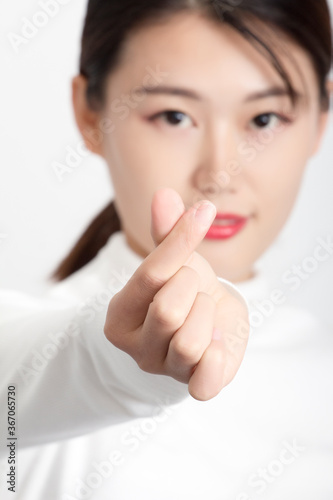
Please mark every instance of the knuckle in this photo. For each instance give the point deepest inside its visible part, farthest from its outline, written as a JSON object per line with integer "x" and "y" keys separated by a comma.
{"x": 166, "y": 315}
{"x": 186, "y": 350}
{"x": 142, "y": 364}
{"x": 147, "y": 365}
{"x": 108, "y": 331}
{"x": 113, "y": 337}
{"x": 203, "y": 296}
{"x": 150, "y": 282}
{"x": 191, "y": 275}
{"x": 116, "y": 341}
{"x": 207, "y": 302}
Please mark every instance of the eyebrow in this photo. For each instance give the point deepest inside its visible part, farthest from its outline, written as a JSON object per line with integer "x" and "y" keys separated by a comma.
{"x": 190, "y": 94}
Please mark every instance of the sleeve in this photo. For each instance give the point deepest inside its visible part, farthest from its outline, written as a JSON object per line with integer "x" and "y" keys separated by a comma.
{"x": 69, "y": 379}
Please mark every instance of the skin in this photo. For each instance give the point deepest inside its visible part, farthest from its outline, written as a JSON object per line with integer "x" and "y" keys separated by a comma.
{"x": 216, "y": 151}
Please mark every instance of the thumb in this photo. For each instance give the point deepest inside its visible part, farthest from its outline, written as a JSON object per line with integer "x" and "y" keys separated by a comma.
{"x": 166, "y": 209}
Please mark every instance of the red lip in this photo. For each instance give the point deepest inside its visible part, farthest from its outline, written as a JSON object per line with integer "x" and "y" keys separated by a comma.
{"x": 232, "y": 225}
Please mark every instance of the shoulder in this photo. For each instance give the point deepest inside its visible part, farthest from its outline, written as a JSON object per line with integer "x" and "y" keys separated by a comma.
{"x": 290, "y": 327}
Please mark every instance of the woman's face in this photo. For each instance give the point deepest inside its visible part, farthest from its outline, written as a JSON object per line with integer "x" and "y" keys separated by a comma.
{"x": 235, "y": 142}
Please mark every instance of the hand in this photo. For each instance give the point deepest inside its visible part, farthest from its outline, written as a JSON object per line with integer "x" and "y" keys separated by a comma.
{"x": 174, "y": 317}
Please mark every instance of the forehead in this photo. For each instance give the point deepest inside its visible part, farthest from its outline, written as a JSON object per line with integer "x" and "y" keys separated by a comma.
{"x": 212, "y": 57}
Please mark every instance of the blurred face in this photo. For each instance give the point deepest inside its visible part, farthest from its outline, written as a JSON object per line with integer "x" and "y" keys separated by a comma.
{"x": 213, "y": 123}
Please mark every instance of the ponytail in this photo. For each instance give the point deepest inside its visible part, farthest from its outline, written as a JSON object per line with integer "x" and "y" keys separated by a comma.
{"x": 93, "y": 239}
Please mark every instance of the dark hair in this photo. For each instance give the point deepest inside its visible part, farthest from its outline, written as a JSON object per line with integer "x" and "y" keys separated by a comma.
{"x": 108, "y": 22}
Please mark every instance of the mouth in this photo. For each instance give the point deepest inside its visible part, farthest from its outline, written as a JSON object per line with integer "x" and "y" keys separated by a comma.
{"x": 226, "y": 226}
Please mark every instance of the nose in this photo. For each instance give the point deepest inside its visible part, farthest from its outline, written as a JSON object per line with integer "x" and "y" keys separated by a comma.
{"x": 219, "y": 169}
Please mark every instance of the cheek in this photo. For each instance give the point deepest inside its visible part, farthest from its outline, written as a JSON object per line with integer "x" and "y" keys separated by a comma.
{"x": 140, "y": 163}
{"x": 279, "y": 174}
{"x": 128, "y": 168}
{"x": 280, "y": 193}
{"x": 136, "y": 172}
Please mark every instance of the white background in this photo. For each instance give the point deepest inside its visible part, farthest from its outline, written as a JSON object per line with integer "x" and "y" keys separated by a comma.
{"x": 41, "y": 217}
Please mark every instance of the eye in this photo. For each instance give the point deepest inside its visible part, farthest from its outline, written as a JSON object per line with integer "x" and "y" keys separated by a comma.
{"x": 173, "y": 118}
{"x": 269, "y": 120}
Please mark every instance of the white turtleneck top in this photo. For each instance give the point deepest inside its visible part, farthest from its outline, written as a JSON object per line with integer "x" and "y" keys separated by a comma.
{"x": 91, "y": 424}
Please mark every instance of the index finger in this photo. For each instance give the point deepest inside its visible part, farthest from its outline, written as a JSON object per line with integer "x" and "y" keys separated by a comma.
{"x": 161, "y": 264}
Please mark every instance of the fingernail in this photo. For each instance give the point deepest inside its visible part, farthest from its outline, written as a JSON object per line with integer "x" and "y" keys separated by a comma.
{"x": 204, "y": 212}
{"x": 217, "y": 335}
